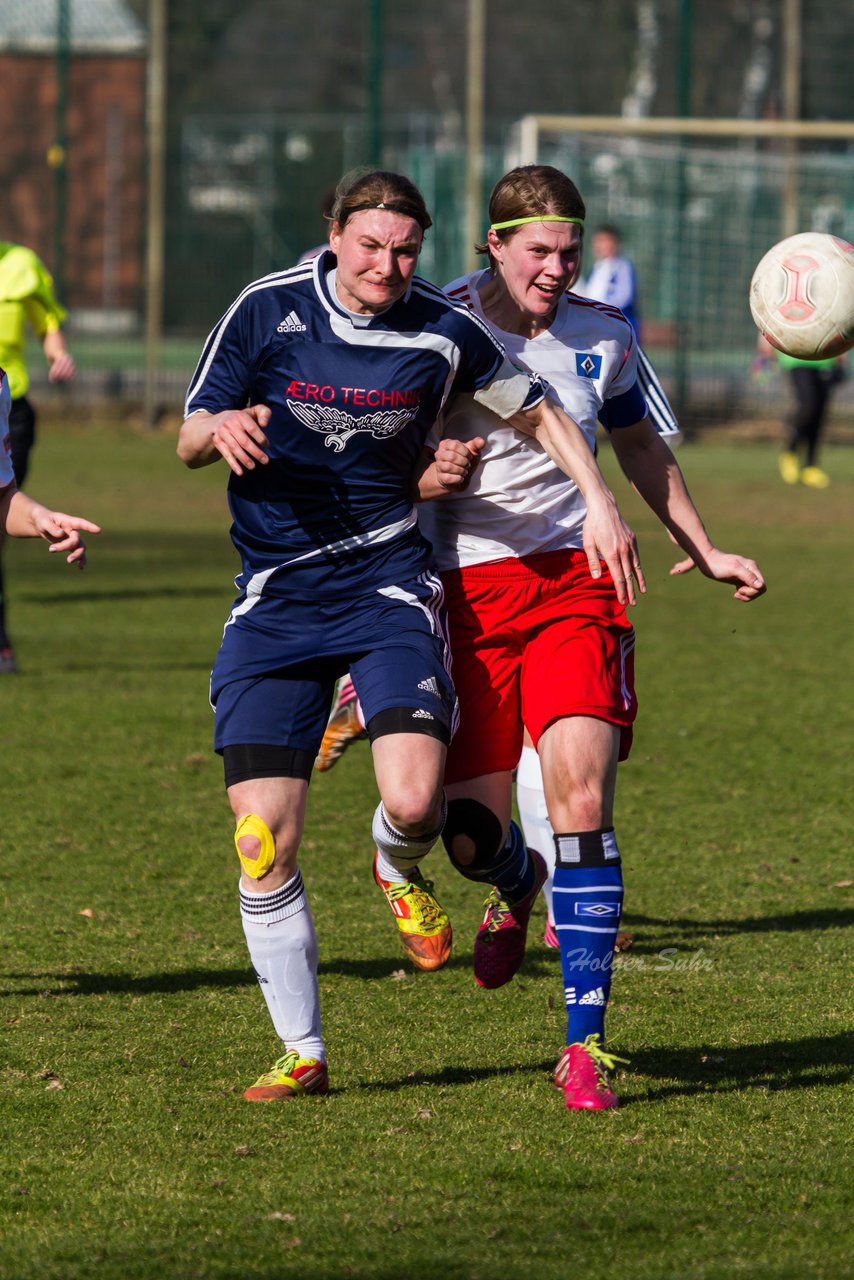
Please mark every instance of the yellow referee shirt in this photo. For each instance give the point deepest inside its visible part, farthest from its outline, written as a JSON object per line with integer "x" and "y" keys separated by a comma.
{"x": 26, "y": 294}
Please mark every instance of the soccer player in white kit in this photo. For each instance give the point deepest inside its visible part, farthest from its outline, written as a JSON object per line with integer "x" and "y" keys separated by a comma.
{"x": 537, "y": 642}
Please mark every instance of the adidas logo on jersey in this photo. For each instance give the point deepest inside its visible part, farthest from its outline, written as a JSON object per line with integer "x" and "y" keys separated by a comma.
{"x": 429, "y": 685}
{"x": 596, "y": 997}
{"x": 291, "y": 324}
{"x": 422, "y": 715}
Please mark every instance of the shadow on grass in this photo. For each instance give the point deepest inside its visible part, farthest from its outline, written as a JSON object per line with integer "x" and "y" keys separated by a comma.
{"x": 99, "y": 984}
{"x": 824, "y": 918}
{"x": 455, "y": 1075}
{"x": 774, "y": 1065}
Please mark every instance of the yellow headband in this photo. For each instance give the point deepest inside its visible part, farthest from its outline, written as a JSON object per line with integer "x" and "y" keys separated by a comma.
{"x": 540, "y": 217}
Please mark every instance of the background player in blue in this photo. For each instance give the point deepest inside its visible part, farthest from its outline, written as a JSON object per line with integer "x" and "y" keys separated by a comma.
{"x": 319, "y": 387}
{"x": 613, "y": 278}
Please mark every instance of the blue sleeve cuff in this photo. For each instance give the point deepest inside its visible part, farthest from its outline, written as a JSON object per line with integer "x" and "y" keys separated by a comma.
{"x": 624, "y": 410}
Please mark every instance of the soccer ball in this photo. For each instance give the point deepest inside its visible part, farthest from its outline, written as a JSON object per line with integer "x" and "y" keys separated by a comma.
{"x": 802, "y": 296}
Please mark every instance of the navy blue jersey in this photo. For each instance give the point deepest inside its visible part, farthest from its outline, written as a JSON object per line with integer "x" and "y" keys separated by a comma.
{"x": 352, "y": 399}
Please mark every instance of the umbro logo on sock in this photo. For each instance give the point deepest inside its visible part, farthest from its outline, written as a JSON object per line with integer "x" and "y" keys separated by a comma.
{"x": 291, "y": 324}
{"x": 596, "y": 997}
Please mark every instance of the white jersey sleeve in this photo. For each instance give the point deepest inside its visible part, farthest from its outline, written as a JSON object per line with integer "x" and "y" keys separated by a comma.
{"x": 661, "y": 414}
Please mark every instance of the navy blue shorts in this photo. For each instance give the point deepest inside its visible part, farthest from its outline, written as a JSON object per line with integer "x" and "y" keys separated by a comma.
{"x": 274, "y": 675}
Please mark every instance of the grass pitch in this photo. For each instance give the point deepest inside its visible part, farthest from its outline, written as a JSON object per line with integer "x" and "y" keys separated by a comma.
{"x": 131, "y": 1021}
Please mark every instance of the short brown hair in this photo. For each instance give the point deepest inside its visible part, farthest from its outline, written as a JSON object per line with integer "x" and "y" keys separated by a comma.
{"x": 379, "y": 189}
{"x": 530, "y": 190}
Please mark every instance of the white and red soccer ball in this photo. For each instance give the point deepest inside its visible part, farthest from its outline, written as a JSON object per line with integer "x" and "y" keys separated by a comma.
{"x": 802, "y": 296}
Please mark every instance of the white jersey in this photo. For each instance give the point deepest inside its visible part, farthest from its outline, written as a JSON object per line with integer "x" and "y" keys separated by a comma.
{"x": 7, "y": 475}
{"x": 518, "y": 502}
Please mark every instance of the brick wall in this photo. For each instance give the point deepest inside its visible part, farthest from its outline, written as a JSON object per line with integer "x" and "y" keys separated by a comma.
{"x": 105, "y": 183}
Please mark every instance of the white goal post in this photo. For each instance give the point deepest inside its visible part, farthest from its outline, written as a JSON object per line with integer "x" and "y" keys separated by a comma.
{"x": 528, "y": 131}
{"x": 530, "y": 128}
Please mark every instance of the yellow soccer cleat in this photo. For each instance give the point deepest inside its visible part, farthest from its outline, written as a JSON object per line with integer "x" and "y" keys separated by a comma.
{"x": 290, "y": 1077}
{"x": 815, "y": 478}
{"x": 789, "y": 467}
{"x": 425, "y": 930}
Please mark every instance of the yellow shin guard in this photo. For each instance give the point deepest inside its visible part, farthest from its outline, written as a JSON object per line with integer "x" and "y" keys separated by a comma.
{"x": 251, "y": 825}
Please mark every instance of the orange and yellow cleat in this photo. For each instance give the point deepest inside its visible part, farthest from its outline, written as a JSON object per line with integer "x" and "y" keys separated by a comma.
{"x": 342, "y": 727}
{"x": 424, "y": 927}
{"x": 290, "y": 1077}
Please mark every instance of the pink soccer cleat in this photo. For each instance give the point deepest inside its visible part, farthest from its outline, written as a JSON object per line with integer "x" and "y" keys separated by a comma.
{"x": 582, "y": 1074}
{"x": 550, "y": 937}
{"x": 499, "y": 947}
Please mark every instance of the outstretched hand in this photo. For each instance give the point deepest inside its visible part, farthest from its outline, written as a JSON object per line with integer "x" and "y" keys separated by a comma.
{"x": 721, "y": 566}
{"x": 63, "y": 533}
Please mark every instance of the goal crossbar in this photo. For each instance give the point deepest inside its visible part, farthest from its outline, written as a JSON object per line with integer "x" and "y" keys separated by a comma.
{"x": 532, "y": 126}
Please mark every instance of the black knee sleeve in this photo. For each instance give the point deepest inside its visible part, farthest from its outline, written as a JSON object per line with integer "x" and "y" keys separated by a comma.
{"x": 479, "y": 824}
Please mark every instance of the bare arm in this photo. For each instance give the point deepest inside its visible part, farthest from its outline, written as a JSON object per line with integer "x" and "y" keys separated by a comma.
{"x": 23, "y": 517}
{"x": 61, "y": 365}
{"x": 235, "y": 434}
{"x": 654, "y": 472}
{"x": 606, "y": 534}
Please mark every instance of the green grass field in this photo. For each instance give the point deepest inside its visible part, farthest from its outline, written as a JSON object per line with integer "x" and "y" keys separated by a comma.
{"x": 131, "y": 1021}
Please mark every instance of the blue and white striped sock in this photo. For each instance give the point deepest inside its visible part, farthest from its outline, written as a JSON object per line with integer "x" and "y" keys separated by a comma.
{"x": 513, "y": 873}
{"x": 587, "y": 899}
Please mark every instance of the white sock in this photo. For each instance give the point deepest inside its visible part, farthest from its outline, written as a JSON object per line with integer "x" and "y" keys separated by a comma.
{"x": 283, "y": 947}
{"x": 398, "y": 854}
{"x": 531, "y": 802}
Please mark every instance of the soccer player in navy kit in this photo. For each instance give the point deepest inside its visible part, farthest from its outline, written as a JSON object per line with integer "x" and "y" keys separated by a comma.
{"x": 319, "y": 387}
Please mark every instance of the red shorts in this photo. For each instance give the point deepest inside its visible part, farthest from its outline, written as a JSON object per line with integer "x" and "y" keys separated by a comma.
{"x": 534, "y": 641}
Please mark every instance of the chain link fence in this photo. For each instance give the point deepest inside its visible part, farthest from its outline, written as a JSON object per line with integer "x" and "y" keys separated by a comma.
{"x": 267, "y": 104}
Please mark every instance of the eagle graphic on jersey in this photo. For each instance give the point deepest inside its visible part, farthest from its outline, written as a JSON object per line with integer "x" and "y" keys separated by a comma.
{"x": 338, "y": 426}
